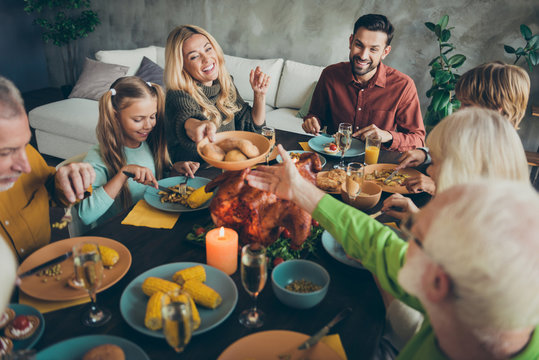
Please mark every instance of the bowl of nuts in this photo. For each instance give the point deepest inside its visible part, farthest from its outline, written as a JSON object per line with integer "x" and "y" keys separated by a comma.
{"x": 300, "y": 284}
{"x": 234, "y": 150}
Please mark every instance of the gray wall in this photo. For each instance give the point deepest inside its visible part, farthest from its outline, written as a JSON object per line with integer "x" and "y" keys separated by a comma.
{"x": 316, "y": 32}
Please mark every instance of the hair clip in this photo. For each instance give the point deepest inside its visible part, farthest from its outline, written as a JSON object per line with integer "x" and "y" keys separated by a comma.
{"x": 149, "y": 83}
{"x": 112, "y": 92}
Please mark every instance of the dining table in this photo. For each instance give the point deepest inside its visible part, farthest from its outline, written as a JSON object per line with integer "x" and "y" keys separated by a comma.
{"x": 352, "y": 287}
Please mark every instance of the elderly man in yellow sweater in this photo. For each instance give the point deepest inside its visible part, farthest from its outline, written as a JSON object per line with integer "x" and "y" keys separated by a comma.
{"x": 28, "y": 185}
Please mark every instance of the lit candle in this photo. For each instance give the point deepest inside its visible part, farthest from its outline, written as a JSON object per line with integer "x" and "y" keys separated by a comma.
{"x": 222, "y": 249}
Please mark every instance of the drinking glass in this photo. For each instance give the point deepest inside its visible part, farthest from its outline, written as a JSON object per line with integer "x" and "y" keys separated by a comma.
{"x": 89, "y": 272}
{"x": 269, "y": 133}
{"x": 177, "y": 317}
{"x": 253, "y": 277}
{"x": 372, "y": 149}
{"x": 343, "y": 139}
{"x": 354, "y": 179}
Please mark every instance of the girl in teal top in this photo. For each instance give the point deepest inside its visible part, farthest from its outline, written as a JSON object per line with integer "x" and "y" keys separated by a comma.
{"x": 131, "y": 137}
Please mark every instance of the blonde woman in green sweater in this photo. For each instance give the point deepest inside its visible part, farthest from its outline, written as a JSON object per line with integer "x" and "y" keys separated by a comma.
{"x": 201, "y": 97}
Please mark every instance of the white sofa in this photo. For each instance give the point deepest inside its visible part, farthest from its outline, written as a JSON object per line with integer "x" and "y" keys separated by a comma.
{"x": 66, "y": 128}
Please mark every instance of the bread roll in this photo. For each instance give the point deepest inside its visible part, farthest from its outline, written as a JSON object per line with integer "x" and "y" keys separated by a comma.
{"x": 105, "y": 352}
{"x": 213, "y": 151}
{"x": 228, "y": 144}
{"x": 235, "y": 155}
{"x": 248, "y": 148}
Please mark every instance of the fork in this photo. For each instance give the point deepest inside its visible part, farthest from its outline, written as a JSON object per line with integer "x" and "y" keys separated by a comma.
{"x": 183, "y": 187}
{"x": 65, "y": 220}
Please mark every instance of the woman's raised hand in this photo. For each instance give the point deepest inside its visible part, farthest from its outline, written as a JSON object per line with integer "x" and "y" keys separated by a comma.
{"x": 259, "y": 81}
{"x": 143, "y": 175}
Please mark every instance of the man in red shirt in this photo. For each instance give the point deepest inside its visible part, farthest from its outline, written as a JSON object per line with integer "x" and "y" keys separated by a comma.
{"x": 376, "y": 99}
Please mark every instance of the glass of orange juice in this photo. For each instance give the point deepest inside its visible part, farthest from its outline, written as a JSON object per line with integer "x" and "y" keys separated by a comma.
{"x": 354, "y": 179}
{"x": 372, "y": 149}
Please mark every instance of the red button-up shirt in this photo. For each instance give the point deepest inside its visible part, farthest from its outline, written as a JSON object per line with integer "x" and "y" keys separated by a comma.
{"x": 389, "y": 101}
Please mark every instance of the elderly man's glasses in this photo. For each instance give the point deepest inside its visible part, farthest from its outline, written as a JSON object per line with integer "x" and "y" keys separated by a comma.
{"x": 406, "y": 226}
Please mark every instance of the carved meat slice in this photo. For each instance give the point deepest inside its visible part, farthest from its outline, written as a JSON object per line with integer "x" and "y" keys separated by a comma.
{"x": 260, "y": 216}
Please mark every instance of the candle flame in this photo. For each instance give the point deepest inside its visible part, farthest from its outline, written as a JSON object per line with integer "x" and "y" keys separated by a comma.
{"x": 222, "y": 232}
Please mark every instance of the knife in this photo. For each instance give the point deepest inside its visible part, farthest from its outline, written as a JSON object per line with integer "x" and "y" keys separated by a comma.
{"x": 386, "y": 181}
{"x": 162, "y": 188}
{"x": 323, "y": 332}
{"x": 47, "y": 264}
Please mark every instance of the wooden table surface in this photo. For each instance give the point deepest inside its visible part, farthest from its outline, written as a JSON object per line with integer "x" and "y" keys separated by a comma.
{"x": 149, "y": 247}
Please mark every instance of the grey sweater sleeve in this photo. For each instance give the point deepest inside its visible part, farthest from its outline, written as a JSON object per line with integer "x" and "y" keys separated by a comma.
{"x": 179, "y": 106}
{"x": 243, "y": 119}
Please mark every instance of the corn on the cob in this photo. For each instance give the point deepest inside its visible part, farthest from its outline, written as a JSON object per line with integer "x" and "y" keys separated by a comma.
{"x": 194, "y": 311}
{"x": 153, "y": 284}
{"x": 202, "y": 294}
{"x": 198, "y": 197}
{"x": 108, "y": 255}
{"x": 195, "y": 273}
{"x": 153, "y": 319}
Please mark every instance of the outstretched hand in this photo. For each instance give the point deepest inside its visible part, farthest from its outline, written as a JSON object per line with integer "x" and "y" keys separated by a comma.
{"x": 259, "y": 81}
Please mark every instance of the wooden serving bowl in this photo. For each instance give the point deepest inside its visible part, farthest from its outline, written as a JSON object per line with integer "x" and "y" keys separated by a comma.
{"x": 368, "y": 198}
{"x": 258, "y": 140}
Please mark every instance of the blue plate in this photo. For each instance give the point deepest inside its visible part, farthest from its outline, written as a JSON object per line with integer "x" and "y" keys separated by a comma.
{"x": 317, "y": 143}
{"x": 21, "y": 309}
{"x": 154, "y": 199}
{"x": 75, "y": 348}
{"x": 133, "y": 300}
{"x": 280, "y": 159}
{"x": 337, "y": 252}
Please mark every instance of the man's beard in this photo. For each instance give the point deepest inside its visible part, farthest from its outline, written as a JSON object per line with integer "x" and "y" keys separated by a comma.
{"x": 411, "y": 273}
{"x": 4, "y": 187}
{"x": 358, "y": 71}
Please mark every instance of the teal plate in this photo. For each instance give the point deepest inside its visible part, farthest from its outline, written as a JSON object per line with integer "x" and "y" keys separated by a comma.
{"x": 154, "y": 199}
{"x": 21, "y": 309}
{"x": 317, "y": 143}
{"x": 279, "y": 159}
{"x": 133, "y": 300}
{"x": 75, "y": 348}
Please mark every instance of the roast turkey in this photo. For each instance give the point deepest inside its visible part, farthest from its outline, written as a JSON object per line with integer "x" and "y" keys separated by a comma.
{"x": 260, "y": 216}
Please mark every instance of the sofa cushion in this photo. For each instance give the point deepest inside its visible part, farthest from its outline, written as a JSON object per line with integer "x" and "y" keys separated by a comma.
{"x": 150, "y": 71}
{"x": 240, "y": 69}
{"x": 72, "y": 118}
{"x": 130, "y": 58}
{"x": 304, "y": 110}
{"x": 295, "y": 84}
{"x": 96, "y": 78}
{"x": 160, "y": 56}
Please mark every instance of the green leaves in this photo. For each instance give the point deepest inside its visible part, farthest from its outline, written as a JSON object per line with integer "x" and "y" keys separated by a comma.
{"x": 529, "y": 51}
{"x": 526, "y": 32}
{"x": 443, "y": 102}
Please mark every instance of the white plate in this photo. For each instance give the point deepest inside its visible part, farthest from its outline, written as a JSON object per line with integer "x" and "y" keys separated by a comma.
{"x": 337, "y": 252}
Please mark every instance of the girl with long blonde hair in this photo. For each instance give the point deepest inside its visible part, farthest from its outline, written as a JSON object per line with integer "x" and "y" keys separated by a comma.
{"x": 131, "y": 138}
{"x": 201, "y": 97}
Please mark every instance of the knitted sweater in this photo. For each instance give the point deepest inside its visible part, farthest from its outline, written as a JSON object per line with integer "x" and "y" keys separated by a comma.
{"x": 180, "y": 106}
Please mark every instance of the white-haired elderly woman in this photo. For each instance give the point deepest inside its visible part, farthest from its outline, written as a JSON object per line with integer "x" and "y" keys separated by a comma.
{"x": 469, "y": 144}
{"x": 201, "y": 97}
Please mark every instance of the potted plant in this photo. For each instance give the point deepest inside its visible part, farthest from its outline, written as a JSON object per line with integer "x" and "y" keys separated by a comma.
{"x": 63, "y": 22}
{"x": 443, "y": 75}
{"x": 529, "y": 51}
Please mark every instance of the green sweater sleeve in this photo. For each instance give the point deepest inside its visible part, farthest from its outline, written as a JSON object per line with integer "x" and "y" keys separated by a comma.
{"x": 380, "y": 250}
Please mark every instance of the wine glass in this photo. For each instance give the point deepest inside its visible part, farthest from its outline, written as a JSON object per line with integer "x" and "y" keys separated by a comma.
{"x": 177, "y": 317}
{"x": 269, "y": 133}
{"x": 89, "y": 273}
{"x": 343, "y": 139}
{"x": 354, "y": 179}
{"x": 253, "y": 277}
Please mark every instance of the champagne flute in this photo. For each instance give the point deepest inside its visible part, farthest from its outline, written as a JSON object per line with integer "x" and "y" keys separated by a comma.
{"x": 253, "y": 277}
{"x": 354, "y": 179}
{"x": 269, "y": 133}
{"x": 343, "y": 139}
{"x": 89, "y": 272}
{"x": 177, "y": 317}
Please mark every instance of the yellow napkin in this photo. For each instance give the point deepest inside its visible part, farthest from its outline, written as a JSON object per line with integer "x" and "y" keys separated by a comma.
{"x": 45, "y": 306}
{"x": 334, "y": 342}
{"x": 146, "y": 215}
{"x": 392, "y": 224}
{"x": 305, "y": 146}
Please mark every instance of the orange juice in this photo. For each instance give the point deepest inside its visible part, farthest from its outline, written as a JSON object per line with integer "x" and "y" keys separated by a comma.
{"x": 371, "y": 155}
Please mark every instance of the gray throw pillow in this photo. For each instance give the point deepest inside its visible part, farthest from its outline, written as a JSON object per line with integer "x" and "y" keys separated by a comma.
{"x": 150, "y": 71}
{"x": 96, "y": 78}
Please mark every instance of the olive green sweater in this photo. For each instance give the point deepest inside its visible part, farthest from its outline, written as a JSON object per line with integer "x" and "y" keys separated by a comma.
{"x": 180, "y": 106}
